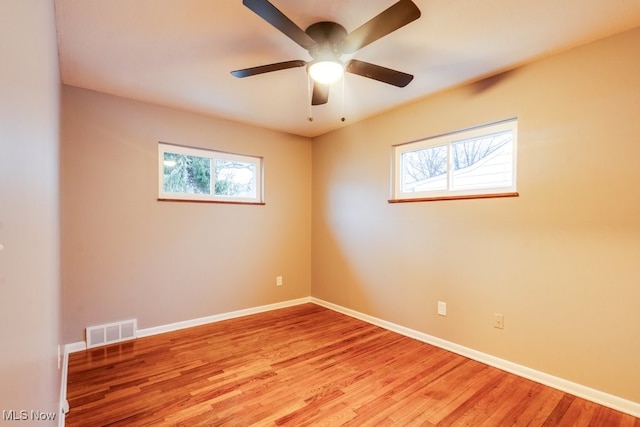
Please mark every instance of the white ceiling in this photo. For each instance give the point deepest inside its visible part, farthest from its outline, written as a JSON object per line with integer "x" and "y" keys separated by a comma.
{"x": 179, "y": 53}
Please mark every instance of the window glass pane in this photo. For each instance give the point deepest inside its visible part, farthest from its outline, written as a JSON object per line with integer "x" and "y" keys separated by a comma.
{"x": 425, "y": 169}
{"x": 479, "y": 161}
{"x": 186, "y": 174}
{"x": 483, "y": 162}
{"x": 235, "y": 178}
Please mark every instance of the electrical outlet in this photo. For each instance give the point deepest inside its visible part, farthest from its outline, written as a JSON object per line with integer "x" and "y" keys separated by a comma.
{"x": 498, "y": 321}
{"x": 442, "y": 308}
{"x": 278, "y": 280}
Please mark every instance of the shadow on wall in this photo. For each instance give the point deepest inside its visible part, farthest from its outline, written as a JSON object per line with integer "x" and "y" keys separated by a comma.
{"x": 490, "y": 82}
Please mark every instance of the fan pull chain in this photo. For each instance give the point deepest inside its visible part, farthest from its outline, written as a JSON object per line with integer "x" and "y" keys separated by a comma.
{"x": 343, "y": 100}
{"x": 309, "y": 85}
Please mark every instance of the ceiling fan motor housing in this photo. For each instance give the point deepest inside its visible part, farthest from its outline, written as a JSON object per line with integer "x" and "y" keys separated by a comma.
{"x": 329, "y": 37}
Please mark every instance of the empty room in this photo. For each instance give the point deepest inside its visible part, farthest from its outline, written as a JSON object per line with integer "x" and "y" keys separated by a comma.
{"x": 200, "y": 226}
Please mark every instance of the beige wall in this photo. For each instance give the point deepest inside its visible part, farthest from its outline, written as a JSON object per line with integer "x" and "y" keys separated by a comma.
{"x": 561, "y": 262}
{"x": 126, "y": 255}
{"x": 29, "y": 220}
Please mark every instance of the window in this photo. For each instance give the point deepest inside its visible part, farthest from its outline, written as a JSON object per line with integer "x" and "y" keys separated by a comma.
{"x": 196, "y": 174}
{"x": 475, "y": 162}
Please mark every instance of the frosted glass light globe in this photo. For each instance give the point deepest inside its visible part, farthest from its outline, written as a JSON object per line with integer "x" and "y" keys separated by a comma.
{"x": 326, "y": 72}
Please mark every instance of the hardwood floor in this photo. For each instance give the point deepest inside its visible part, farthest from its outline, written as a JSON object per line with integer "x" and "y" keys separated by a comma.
{"x": 306, "y": 365}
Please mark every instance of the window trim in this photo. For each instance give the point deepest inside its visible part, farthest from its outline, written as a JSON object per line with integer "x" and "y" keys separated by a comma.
{"x": 164, "y": 147}
{"x": 448, "y": 138}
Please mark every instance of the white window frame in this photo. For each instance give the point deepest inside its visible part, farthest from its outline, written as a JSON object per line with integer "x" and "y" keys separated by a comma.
{"x": 213, "y": 155}
{"x": 397, "y": 193}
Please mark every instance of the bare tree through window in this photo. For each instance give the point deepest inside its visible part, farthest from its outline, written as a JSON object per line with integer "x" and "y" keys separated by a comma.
{"x": 431, "y": 162}
{"x": 470, "y": 151}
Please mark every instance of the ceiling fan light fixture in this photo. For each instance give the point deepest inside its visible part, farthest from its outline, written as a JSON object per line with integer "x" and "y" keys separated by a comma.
{"x": 326, "y": 71}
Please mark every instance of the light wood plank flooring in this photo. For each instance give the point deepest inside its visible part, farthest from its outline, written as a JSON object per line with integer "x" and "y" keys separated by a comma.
{"x": 306, "y": 365}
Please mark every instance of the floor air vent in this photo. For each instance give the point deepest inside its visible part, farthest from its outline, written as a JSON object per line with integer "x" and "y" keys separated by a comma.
{"x": 110, "y": 333}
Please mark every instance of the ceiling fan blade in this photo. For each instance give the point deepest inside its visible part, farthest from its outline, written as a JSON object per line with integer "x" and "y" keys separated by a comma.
{"x": 273, "y": 16}
{"x": 376, "y": 72}
{"x": 397, "y": 16}
{"x": 246, "y": 72}
{"x": 320, "y": 94}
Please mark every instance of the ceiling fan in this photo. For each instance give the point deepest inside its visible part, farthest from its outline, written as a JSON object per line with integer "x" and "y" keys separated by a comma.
{"x": 328, "y": 41}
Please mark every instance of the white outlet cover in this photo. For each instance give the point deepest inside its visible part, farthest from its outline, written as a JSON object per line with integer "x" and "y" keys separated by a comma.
{"x": 498, "y": 320}
{"x": 442, "y": 308}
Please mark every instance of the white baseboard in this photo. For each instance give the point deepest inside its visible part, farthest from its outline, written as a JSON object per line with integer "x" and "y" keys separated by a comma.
{"x": 218, "y": 317}
{"x": 75, "y": 346}
{"x": 64, "y": 404}
{"x": 593, "y": 395}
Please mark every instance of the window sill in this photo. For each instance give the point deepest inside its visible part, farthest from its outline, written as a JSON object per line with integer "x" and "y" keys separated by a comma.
{"x": 213, "y": 201}
{"x": 468, "y": 196}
